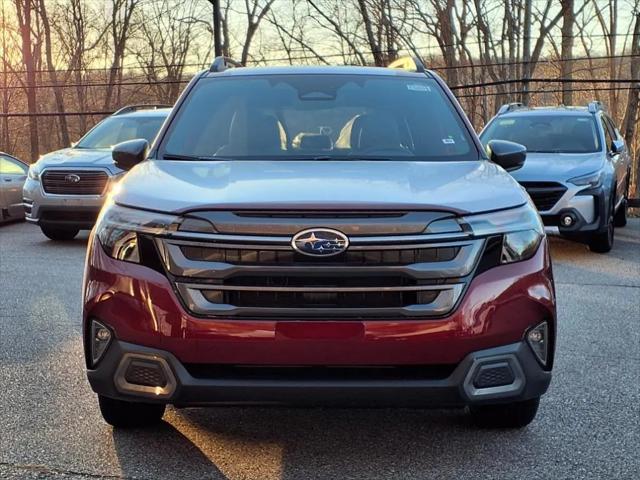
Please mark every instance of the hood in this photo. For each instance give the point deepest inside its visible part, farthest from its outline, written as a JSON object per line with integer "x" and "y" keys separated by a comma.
{"x": 558, "y": 166}
{"x": 78, "y": 157}
{"x": 179, "y": 186}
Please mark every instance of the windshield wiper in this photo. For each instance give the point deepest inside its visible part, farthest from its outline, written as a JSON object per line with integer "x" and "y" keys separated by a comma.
{"x": 192, "y": 158}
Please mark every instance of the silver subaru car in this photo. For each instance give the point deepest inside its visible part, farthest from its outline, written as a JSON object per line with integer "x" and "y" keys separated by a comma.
{"x": 65, "y": 189}
{"x": 578, "y": 168}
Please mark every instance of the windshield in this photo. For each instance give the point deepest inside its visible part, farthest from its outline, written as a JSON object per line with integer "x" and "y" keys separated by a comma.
{"x": 114, "y": 130}
{"x": 547, "y": 133}
{"x": 320, "y": 116}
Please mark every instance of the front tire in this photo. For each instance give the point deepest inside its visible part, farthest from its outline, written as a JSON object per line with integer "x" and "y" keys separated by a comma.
{"x": 602, "y": 242}
{"x": 507, "y": 415}
{"x": 59, "y": 233}
{"x": 121, "y": 414}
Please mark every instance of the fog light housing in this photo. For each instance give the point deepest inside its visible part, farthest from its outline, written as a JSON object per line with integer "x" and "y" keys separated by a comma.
{"x": 100, "y": 339}
{"x": 538, "y": 340}
{"x": 567, "y": 220}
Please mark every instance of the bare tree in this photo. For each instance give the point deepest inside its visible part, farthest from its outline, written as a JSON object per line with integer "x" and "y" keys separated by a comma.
{"x": 121, "y": 15}
{"x": 566, "y": 55}
{"x": 24, "y": 10}
{"x": 53, "y": 75}
{"x": 630, "y": 123}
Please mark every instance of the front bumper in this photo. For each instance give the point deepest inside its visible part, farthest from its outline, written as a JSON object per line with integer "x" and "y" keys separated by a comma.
{"x": 79, "y": 211}
{"x": 587, "y": 209}
{"x": 143, "y": 311}
{"x": 529, "y": 380}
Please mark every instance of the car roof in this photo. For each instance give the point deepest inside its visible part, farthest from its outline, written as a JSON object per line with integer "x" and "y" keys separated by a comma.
{"x": 149, "y": 112}
{"x": 554, "y": 110}
{"x": 5, "y": 154}
{"x": 317, "y": 70}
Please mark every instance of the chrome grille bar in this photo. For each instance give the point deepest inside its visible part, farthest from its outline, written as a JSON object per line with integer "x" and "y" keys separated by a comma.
{"x": 223, "y": 275}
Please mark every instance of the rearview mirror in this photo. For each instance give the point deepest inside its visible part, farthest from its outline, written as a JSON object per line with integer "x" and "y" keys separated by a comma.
{"x": 509, "y": 155}
{"x": 127, "y": 155}
{"x": 617, "y": 146}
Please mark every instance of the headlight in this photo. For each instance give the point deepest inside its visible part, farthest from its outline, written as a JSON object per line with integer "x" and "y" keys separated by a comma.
{"x": 34, "y": 172}
{"x": 521, "y": 230}
{"x": 592, "y": 180}
{"x": 118, "y": 227}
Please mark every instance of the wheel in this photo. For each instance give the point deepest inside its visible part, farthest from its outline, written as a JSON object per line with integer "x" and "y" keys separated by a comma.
{"x": 59, "y": 233}
{"x": 602, "y": 242}
{"x": 620, "y": 219}
{"x": 508, "y": 415}
{"x": 123, "y": 414}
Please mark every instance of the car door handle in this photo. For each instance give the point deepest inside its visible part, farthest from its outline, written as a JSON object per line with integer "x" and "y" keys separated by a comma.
{"x": 7, "y": 179}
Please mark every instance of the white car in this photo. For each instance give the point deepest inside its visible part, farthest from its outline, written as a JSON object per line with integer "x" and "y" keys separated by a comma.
{"x": 13, "y": 173}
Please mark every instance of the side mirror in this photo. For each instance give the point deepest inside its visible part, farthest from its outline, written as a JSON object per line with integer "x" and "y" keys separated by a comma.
{"x": 127, "y": 155}
{"x": 509, "y": 155}
{"x": 617, "y": 146}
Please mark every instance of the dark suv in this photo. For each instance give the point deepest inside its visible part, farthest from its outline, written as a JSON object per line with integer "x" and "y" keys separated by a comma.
{"x": 578, "y": 168}
{"x": 318, "y": 236}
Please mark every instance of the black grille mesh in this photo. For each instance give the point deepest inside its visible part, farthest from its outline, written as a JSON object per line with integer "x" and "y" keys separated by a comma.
{"x": 349, "y": 258}
{"x": 544, "y": 194}
{"x": 89, "y": 183}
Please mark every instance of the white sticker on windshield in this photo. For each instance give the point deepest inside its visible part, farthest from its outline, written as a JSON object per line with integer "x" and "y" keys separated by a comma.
{"x": 448, "y": 141}
{"x": 418, "y": 87}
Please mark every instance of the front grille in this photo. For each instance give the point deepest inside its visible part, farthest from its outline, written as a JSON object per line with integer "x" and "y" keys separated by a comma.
{"x": 308, "y": 299}
{"x": 261, "y": 276}
{"x": 290, "y": 257}
{"x": 74, "y": 182}
{"x": 544, "y": 194}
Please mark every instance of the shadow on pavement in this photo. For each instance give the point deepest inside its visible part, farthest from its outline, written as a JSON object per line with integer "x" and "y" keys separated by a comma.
{"x": 163, "y": 450}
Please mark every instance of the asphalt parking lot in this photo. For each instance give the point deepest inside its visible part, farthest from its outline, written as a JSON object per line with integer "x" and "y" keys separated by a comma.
{"x": 588, "y": 425}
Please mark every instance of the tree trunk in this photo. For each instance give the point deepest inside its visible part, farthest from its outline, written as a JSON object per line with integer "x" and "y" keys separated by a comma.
{"x": 526, "y": 52}
{"x": 23, "y": 10}
{"x": 566, "y": 68}
{"x": 630, "y": 122}
{"x": 57, "y": 91}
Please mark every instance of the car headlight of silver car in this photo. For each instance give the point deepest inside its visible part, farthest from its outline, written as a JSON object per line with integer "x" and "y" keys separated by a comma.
{"x": 592, "y": 180}
{"x": 118, "y": 229}
{"x": 521, "y": 229}
{"x": 34, "y": 172}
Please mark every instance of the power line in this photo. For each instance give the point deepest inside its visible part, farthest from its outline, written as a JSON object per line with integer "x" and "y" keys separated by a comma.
{"x": 559, "y": 90}
{"x": 541, "y": 80}
{"x": 546, "y": 60}
{"x": 102, "y": 84}
{"x": 203, "y": 65}
{"x": 473, "y": 95}
{"x": 501, "y": 82}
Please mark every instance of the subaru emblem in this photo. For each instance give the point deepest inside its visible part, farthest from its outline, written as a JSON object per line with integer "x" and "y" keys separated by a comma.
{"x": 320, "y": 242}
{"x": 72, "y": 178}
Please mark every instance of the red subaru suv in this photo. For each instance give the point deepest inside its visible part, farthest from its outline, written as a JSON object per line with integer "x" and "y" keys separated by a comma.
{"x": 318, "y": 236}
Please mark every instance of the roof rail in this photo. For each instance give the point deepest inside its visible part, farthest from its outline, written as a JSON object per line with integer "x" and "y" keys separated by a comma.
{"x": 507, "y": 107}
{"x": 594, "y": 106}
{"x": 220, "y": 64}
{"x": 135, "y": 108}
{"x": 410, "y": 63}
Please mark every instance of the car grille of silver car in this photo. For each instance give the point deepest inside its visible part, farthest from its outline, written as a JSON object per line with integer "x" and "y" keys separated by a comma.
{"x": 381, "y": 274}
{"x": 545, "y": 195}
{"x": 74, "y": 182}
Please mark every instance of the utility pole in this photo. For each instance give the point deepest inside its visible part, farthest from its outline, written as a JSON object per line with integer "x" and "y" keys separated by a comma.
{"x": 217, "y": 39}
